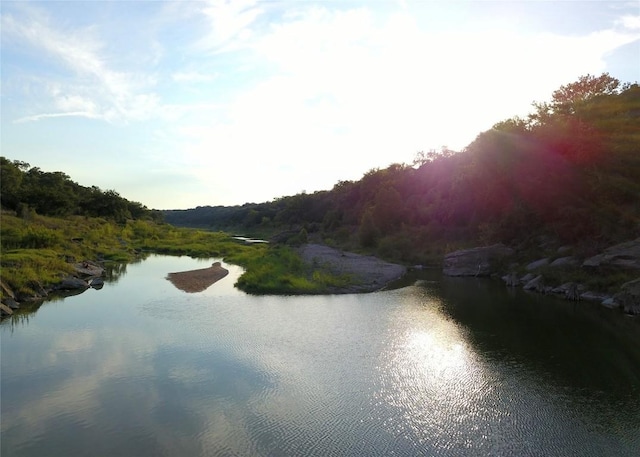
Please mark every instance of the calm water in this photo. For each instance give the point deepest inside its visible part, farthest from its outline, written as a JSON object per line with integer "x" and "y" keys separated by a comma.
{"x": 449, "y": 367}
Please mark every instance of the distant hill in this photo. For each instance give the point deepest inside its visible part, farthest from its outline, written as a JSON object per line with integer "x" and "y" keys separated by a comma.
{"x": 569, "y": 172}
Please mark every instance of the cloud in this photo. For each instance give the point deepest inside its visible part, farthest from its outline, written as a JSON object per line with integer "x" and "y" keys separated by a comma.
{"x": 193, "y": 77}
{"x": 38, "y": 117}
{"x": 630, "y": 22}
{"x": 349, "y": 91}
{"x": 228, "y": 23}
{"x": 106, "y": 94}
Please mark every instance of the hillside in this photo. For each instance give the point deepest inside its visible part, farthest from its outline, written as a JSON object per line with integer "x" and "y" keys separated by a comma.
{"x": 568, "y": 174}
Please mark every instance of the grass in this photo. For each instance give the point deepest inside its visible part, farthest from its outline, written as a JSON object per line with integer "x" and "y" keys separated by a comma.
{"x": 280, "y": 270}
{"x": 38, "y": 252}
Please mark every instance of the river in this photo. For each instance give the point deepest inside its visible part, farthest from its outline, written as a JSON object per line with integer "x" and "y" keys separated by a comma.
{"x": 440, "y": 367}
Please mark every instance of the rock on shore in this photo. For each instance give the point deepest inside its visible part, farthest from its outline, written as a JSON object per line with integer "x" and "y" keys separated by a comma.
{"x": 476, "y": 261}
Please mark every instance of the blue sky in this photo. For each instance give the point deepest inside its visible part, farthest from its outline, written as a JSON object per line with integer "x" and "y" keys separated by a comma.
{"x": 185, "y": 103}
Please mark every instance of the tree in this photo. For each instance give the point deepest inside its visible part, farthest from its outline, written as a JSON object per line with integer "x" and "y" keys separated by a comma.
{"x": 368, "y": 232}
{"x": 568, "y": 99}
{"x": 10, "y": 180}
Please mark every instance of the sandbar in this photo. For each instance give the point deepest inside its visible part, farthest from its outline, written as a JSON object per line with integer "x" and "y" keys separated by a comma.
{"x": 198, "y": 280}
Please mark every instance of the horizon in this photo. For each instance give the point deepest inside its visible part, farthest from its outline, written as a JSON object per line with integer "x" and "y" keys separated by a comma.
{"x": 179, "y": 105}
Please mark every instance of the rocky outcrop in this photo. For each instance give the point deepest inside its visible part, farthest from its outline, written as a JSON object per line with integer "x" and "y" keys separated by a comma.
{"x": 625, "y": 255}
{"x": 86, "y": 274}
{"x": 629, "y": 297}
{"x": 621, "y": 258}
{"x": 479, "y": 261}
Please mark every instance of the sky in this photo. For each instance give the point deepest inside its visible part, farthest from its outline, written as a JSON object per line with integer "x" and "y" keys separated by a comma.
{"x": 178, "y": 104}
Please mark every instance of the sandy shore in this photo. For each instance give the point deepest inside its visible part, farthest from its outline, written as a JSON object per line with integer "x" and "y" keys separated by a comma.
{"x": 370, "y": 273}
{"x": 198, "y": 280}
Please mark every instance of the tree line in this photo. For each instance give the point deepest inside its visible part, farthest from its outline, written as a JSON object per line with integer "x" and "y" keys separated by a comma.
{"x": 27, "y": 190}
{"x": 570, "y": 171}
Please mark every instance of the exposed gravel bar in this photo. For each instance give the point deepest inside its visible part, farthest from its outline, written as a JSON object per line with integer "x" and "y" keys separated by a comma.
{"x": 369, "y": 273}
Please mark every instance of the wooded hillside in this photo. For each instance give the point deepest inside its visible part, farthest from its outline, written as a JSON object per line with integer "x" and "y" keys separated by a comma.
{"x": 570, "y": 172}
{"x": 25, "y": 189}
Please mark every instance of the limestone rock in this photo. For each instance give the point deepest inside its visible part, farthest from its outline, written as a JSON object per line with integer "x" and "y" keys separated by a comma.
{"x": 565, "y": 262}
{"x": 537, "y": 264}
{"x": 11, "y": 303}
{"x": 629, "y": 297}
{"x": 594, "y": 296}
{"x": 511, "y": 280}
{"x": 526, "y": 278}
{"x": 88, "y": 269}
{"x": 5, "y": 310}
{"x": 96, "y": 283}
{"x": 625, "y": 255}
{"x": 570, "y": 290}
{"x": 72, "y": 283}
{"x": 478, "y": 261}
{"x": 536, "y": 284}
{"x": 6, "y": 290}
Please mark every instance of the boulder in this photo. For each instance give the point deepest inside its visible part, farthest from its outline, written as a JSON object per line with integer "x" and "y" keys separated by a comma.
{"x": 5, "y": 310}
{"x": 88, "y": 269}
{"x": 629, "y": 297}
{"x": 625, "y": 255}
{"x": 564, "y": 249}
{"x": 565, "y": 262}
{"x": 511, "y": 280}
{"x": 72, "y": 283}
{"x": 536, "y": 284}
{"x": 526, "y": 278}
{"x": 478, "y": 261}
{"x": 570, "y": 290}
{"x": 537, "y": 264}
{"x": 96, "y": 283}
{"x": 6, "y": 290}
{"x": 594, "y": 296}
{"x": 11, "y": 303}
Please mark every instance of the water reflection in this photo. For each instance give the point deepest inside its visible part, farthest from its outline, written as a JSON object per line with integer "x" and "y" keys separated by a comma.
{"x": 443, "y": 368}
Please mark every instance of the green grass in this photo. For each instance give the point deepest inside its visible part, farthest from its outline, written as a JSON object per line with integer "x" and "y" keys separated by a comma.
{"x": 28, "y": 271}
{"x": 280, "y": 270}
{"x": 38, "y": 252}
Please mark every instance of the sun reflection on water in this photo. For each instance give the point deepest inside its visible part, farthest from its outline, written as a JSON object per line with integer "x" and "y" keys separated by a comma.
{"x": 434, "y": 387}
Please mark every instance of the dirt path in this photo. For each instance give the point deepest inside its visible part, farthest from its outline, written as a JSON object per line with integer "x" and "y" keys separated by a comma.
{"x": 370, "y": 273}
{"x": 198, "y": 280}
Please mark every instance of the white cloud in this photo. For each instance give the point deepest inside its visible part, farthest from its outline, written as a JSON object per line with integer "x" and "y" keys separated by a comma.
{"x": 193, "y": 77}
{"x": 38, "y": 117}
{"x": 228, "y": 23}
{"x": 92, "y": 89}
{"x": 630, "y": 22}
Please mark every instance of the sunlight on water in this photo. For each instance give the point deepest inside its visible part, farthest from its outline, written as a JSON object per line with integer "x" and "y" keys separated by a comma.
{"x": 434, "y": 379}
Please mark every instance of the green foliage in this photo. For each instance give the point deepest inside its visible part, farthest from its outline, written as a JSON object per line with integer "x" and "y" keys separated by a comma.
{"x": 28, "y": 190}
